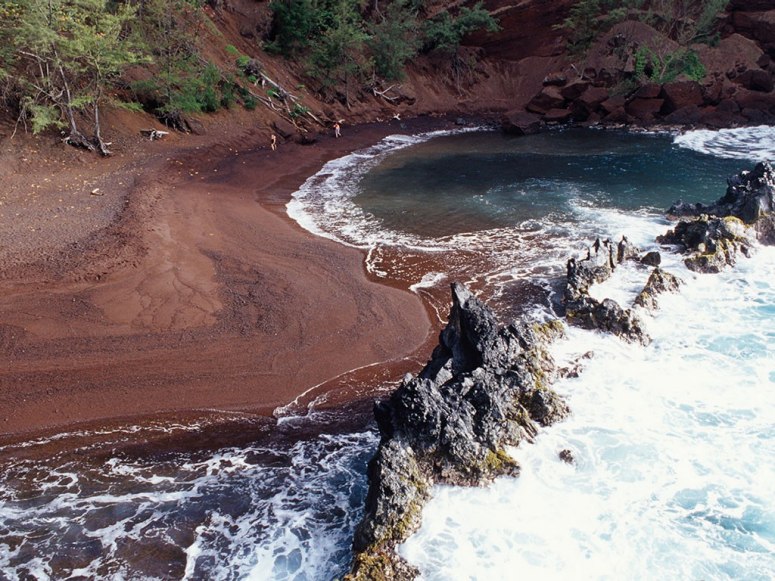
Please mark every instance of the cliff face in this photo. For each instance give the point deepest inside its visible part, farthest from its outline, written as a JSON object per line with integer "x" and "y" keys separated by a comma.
{"x": 507, "y": 71}
{"x": 504, "y": 72}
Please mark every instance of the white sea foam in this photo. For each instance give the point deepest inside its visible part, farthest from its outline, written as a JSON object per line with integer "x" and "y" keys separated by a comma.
{"x": 278, "y": 512}
{"x": 739, "y": 143}
{"x": 429, "y": 280}
{"x": 674, "y": 448}
{"x": 674, "y": 443}
{"x": 323, "y": 205}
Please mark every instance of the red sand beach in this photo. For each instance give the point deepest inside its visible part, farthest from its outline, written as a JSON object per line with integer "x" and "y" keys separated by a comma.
{"x": 197, "y": 294}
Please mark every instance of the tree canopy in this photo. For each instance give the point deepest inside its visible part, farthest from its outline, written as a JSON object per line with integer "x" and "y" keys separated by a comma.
{"x": 66, "y": 54}
{"x": 62, "y": 61}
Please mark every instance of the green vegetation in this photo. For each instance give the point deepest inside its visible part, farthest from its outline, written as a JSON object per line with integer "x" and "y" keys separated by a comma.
{"x": 393, "y": 40}
{"x": 344, "y": 42}
{"x": 650, "y": 66}
{"x": 61, "y": 58}
{"x": 62, "y": 61}
{"x": 445, "y": 32}
{"x": 685, "y": 21}
{"x": 337, "y": 56}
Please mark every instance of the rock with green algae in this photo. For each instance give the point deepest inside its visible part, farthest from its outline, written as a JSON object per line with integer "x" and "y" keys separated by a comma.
{"x": 486, "y": 387}
{"x": 660, "y": 281}
{"x": 711, "y": 243}
{"x": 718, "y": 233}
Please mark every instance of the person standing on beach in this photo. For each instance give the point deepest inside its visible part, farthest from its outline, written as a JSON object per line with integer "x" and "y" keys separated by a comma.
{"x": 273, "y": 142}
{"x": 337, "y": 130}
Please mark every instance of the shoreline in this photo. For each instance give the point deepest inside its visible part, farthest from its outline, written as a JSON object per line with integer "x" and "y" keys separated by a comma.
{"x": 213, "y": 301}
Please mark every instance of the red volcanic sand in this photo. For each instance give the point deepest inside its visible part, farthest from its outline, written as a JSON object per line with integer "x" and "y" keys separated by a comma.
{"x": 200, "y": 295}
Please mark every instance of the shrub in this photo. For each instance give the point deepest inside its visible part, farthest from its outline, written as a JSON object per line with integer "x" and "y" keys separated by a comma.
{"x": 445, "y": 32}
{"x": 298, "y": 110}
{"x": 393, "y": 40}
{"x": 664, "y": 68}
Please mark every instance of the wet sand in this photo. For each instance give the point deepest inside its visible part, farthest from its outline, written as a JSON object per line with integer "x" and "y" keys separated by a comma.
{"x": 201, "y": 297}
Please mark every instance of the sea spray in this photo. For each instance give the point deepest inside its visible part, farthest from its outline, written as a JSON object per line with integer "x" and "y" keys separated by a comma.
{"x": 275, "y": 510}
{"x": 674, "y": 452}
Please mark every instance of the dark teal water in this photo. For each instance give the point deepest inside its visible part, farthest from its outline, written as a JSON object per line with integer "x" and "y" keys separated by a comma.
{"x": 478, "y": 181}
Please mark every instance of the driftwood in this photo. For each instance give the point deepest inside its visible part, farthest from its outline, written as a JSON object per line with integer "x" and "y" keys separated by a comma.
{"x": 383, "y": 94}
{"x": 154, "y": 134}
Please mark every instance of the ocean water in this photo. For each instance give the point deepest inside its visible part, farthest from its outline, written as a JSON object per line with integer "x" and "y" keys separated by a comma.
{"x": 674, "y": 443}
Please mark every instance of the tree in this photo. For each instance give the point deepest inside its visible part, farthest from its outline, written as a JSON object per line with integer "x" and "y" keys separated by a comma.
{"x": 295, "y": 24}
{"x": 445, "y": 32}
{"x": 393, "y": 39}
{"x": 67, "y": 54}
{"x": 337, "y": 56}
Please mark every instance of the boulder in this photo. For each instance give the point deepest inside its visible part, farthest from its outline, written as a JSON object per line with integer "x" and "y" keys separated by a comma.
{"x": 758, "y": 117}
{"x": 652, "y": 258}
{"x": 567, "y": 456}
{"x": 644, "y": 109}
{"x": 648, "y": 91}
{"x": 756, "y": 80}
{"x": 718, "y": 118}
{"x": 521, "y": 123}
{"x": 747, "y": 99}
{"x": 558, "y": 116}
{"x": 608, "y": 316}
{"x": 592, "y": 98}
{"x": 574, "y": 90}
{"x": 615, "y": 103}
{"x": 685, "y": 116}
{"x": 548, "y": 98}
{"x": 680, "y": 94}
{"x": 710, "y": 243}
{"x": 659, "y": 282}
{"x": 757, "y": 25}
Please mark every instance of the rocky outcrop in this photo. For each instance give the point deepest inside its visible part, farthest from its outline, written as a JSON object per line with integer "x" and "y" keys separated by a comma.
{"x": 620, "y": 84}
{"x": 711, "y": 243}
{"x": 582, "y": 310}
{"x": 659, "y": 282}
{"x": 485, "y": 387}
{"x": 727, "y": 228}
{"x": 750, "y": 196}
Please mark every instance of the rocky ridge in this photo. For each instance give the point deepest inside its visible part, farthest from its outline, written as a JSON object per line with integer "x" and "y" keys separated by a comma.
{"x": 487, "y": 386}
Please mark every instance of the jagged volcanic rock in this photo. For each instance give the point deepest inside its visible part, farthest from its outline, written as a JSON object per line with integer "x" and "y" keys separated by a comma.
{"x": 712, "y": 243}
{"x": 723, "y": 230}
{"x": 583, "y": 310}
{"x": 660, "y": 281}
{"x": 485, "y": 387}
{"x": 750, "y": 196}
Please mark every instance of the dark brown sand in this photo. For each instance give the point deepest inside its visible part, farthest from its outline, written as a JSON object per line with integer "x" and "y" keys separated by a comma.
{"x": 200, "y": 296}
